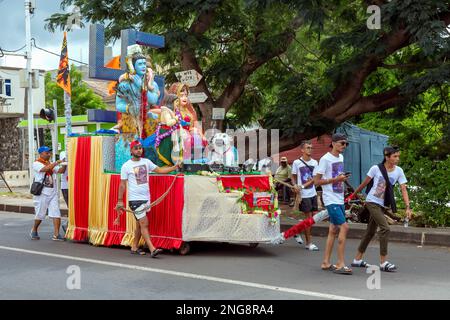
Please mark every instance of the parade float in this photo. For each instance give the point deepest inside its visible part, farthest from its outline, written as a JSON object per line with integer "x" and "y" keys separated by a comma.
{"x": 211, "y": 199}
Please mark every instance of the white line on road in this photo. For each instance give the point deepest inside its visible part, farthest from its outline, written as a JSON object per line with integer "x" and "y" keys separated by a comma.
{"x": 184, "y": 274}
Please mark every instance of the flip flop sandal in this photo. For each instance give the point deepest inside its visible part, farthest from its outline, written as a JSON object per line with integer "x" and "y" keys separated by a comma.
{"x": 332, "y": 267}
{"x": 155, "y": 253}
{"x": 343, "y": 270}
{"x": 138, "y": 252}
{"x": 389, "y": 267}
{"x": 363, "y": 264}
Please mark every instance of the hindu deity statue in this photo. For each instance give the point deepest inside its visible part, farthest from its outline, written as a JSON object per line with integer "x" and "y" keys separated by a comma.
{"x": 177, "y": 138}
{"x": 137, "y": 92}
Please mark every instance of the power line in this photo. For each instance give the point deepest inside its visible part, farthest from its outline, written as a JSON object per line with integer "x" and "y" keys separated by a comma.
{"x": 4, "y": 50}
{"x": 54, "y": 53}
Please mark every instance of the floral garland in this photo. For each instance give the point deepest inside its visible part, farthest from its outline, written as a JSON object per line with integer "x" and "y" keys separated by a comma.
{"x": 160, "y": 137}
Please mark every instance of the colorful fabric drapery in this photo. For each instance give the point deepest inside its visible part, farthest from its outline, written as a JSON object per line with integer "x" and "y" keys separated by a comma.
{"x": 94, "y": 194}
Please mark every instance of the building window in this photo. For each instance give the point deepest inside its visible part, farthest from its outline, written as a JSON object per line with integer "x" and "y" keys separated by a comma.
{"x": 8, "y": 87}
{"x": 2, "y": 84}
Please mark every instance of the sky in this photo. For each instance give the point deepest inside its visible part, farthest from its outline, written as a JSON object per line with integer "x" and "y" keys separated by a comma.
{"x": 12, "y": 35}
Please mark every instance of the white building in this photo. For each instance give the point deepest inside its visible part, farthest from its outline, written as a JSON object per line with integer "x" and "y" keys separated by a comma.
{"x": 12, "y": 95}
{"x": 13, "y": 145}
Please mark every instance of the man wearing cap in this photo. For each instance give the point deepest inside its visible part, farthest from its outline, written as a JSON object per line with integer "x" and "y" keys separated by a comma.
{"x": 331, "y": 176}
{"x": 283, "y": 174}
{"x": 45, "y": 172}
{"x": 134, "y": 173}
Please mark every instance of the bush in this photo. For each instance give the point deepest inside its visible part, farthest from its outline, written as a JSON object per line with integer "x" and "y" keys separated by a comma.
{"x": 429, "y": 191}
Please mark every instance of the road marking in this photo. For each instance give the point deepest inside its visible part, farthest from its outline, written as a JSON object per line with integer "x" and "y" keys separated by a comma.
{"x": 184, "y": 274}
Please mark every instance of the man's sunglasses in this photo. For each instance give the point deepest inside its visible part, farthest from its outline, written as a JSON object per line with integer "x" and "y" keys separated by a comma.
{"x": 137, "y": 147}
{"x": 343, "y": 143}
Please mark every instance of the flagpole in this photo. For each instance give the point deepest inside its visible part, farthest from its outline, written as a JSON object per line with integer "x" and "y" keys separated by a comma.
{"x": 68, "y": 113}
{"x": 63, "y": 80}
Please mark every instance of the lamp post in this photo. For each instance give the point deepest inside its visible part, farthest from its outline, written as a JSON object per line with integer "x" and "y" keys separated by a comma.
{"x": 28, "y": 10}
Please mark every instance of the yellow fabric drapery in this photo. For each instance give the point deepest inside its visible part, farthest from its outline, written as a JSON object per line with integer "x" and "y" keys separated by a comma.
{"x": 98, "y": 194}
{"x": 71, "y": 154}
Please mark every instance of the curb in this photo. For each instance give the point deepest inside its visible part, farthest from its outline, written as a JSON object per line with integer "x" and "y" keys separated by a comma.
{"x": 25, "y": 209}
{"x": 411, "y": 235}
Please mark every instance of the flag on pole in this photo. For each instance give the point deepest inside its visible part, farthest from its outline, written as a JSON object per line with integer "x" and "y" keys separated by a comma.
{"x": 63, "y": 77}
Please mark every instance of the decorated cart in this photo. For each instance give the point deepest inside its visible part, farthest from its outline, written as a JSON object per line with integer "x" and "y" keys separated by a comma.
{"x": 235, "y": 208}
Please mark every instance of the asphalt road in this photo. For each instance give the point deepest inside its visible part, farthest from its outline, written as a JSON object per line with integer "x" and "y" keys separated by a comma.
{"x": 38, "y": 270}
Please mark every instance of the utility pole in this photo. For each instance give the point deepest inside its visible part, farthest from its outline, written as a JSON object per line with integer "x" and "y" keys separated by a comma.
{"x": 29, "y": 9}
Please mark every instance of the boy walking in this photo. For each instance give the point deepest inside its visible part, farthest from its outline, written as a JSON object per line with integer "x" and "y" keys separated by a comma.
{"x": 330, "y": 175}
{"x": 302, "y": 177}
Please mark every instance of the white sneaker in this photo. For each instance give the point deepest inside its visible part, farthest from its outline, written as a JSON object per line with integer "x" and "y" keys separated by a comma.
{"x": 299, "y": 239}
{"x": 312, "y": 247}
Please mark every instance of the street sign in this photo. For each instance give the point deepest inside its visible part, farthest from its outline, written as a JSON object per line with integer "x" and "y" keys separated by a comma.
{"x": 189, "y": 77}
{"x": 197, "y": 97}
{"x": 218, "y": 114}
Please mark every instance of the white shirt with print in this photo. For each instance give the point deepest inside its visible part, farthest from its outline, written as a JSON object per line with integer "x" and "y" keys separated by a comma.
{"x": 376, "y": 193}
{"x": 136, "y": 173}
{"x": 304, "y": 174}
{"x": 49, "y": 180}
{"x": 331, "y": 167}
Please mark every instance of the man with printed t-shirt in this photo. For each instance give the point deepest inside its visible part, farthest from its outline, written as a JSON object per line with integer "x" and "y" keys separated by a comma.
{"x": 302, "y": 178}
{"x": 135, "y": 172}
{"x": 330, "y": 175}
{"x": 380, "y": 196}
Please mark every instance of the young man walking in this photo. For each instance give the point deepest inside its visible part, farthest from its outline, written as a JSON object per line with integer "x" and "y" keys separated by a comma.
{"x": 382, "y": 178}
{"x": 330, "y": 175}
{"x": 134, "y": 173}
{"x": 45, "y": 172}
{"x": 302, "y": 178}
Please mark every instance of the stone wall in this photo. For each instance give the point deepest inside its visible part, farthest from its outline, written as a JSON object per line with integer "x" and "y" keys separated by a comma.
{"x": 10, "y": 145}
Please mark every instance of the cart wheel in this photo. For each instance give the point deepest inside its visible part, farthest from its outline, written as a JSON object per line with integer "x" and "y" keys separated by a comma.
{"x": 253, "y": 244}
{"x": 185, "y": 248}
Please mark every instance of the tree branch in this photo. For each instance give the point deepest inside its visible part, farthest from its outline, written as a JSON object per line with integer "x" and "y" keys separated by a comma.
{"x": 235, "y": 88}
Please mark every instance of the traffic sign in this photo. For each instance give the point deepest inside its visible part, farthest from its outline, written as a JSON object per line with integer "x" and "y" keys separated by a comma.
{"x": 197, "y": 97}
{"x": 189, "y": 77}
{"x": 218, "y": 114}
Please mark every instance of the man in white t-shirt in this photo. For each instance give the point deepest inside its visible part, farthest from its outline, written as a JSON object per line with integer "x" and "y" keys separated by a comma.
{"x": 45, "y": 172}
{"x": 303, "y": 170}
{"x": 376, "y": 204}
{"x": 134, "y": 173}
{"x": 330, "y": 175}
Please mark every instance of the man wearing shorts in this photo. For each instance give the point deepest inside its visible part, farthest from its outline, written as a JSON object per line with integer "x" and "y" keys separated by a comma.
{"x": 45, "y": 172}
{"x": 330, "y": 175}
{"x": 302, "y": 174}
{"x": 134, "y": 173}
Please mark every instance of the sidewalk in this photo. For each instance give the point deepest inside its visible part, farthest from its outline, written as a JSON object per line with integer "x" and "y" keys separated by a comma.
{"x": 21, "y": 201}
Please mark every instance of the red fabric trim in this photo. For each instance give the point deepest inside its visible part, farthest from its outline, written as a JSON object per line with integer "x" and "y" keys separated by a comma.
{"x": 299, "y": 227}
{"x": 166, "y": 218}
{"x": 115, "y": 233}
{"x": 81, "y": 186}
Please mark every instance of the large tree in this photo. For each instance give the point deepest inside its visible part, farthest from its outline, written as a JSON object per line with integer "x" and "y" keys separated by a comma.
{"x": 303, "y": 66}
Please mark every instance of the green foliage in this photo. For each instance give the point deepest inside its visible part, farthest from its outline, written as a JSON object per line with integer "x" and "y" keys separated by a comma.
{"x": 430, "y": 194}
{"x": 82, "y": 97}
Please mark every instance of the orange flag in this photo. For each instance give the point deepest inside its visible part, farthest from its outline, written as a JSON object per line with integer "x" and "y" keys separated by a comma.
{"x": 114, "y": 63}
{"x": 63, "y": 77}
